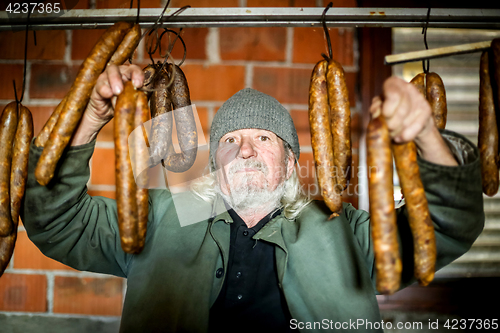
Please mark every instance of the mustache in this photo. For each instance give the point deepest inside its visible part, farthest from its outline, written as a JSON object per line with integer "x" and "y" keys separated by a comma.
{"x": 250, "y": 164}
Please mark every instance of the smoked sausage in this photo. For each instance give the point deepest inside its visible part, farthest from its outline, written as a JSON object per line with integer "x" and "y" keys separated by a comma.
{"x": 77, "y": 100}
{"x": 488, "y": 130}
{"x": 436, "y": 96}
{"x": 127, "y": 46}
{"x": 424, "y": 241}
{"x": 382, "y": 214}
{"x": 125, "y": 184}
{"x": 19, "y": 171}
{"x": 187, "y": 133}
{"x": 161, "y": 119}
{"x": 43, "y": 136}
{"x": 321, "y": 138}
{"x": 419, "y": 82}
{"x": 340, "y": 122}
{"x": 8, "y": 126}
{"x": 141, "y": 164}
{"x": 19, "y": 174}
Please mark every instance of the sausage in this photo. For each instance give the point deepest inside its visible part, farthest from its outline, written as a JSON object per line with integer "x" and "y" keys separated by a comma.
{"x": 436, "y": 95}
{"x": 127, "y": 47}
{"x": 19, "y": 172}
{"x": 125, "y": 184}
{"x": 7, "y": 249}
{"x": 141, "y": 163}
{"x": 321, "y": 138}
{"x": 495, "y": 76}
{"x": 8, "y": 126}
{"x": 382, "y": 214}
{"x": 424, "y": 241}
{"x": 419, "y": 82}
{"x": 161, "y": 120}
{"x": 185, "y": 123}
{"x": 340, "y": 122}
{"x": 149, "y": 73}
{"x": 43, "y": 136}
{"x": 77, "y": 100}
{"x": 488, "y": 130}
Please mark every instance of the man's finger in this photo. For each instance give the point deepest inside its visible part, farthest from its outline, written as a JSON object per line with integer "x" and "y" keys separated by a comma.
{"x": 132, "y": 73}
{"x": 114, "y": 79}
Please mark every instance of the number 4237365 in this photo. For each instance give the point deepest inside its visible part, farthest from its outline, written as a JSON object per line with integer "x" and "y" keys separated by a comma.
{"x": 486, "y": 324}
{"x": 33, "y": 7}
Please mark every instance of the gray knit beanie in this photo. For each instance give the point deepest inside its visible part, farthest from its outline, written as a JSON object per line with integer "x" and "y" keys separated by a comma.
{"x": 249, "y": 108}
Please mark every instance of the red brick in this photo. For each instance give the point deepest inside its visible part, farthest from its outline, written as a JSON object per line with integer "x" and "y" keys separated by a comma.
{"x": 204, "y": 3}
{"x": 10, "y": 72}
{"x": 51, "y": 81}
{"x": 103, "y": 167}
{"x": 214, "y": 83}
{"x": 40, "y": 115}
{"x": 126, "y": 4}
{"x": 90, "y": 296}
{"x": 287, "y": 85}
{"x": 341, "y": 3}
{"x": 194, "y": 38}
{"x": 309, "y": 43}
{"x": 27, "y": 255}
{"x": 268, "y": 3}
{"x": 50, "y": 45}
{"x": 259, "y": 44}
{"x": 304, "y": 3}
{"x": 301, "y": 122}
{"x": 83, "y": 41}
{"x": 23, "y": 292}
{"x": 107, "y": 194}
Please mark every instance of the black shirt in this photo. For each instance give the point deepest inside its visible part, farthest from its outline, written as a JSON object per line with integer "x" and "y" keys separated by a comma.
{"x": 250, "y": 299}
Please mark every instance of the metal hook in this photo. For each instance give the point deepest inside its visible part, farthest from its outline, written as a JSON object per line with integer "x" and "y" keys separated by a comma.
{"x": 425, "y": 63}
{"x": 327, "y": 35}
{"x": 25, "y": 61}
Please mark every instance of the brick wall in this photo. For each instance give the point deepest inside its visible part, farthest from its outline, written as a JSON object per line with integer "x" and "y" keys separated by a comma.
{"x": 220, "y": 61}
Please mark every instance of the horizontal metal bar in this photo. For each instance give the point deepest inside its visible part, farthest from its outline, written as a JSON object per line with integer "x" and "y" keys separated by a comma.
{"x": 440, "y": 52}
{"x": 258, "y": 17}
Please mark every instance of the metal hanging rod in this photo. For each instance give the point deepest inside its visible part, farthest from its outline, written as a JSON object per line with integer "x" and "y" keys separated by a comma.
{"x": 257, "y": 17}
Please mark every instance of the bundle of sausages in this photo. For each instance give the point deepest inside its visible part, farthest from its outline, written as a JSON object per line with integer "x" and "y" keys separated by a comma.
{"x": 114, "y": 46}
{"x": 330, "y": 124}
{"x": 383, "y": 217}
{"x": 489, "y": 108}
{"x": 171, "y": 92}
{"x": 16, "y": 132}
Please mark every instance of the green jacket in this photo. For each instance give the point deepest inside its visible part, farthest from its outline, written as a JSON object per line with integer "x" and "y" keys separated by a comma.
{"x": 326, "y": 268}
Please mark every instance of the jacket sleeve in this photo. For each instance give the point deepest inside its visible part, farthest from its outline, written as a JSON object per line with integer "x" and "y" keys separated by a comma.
{"x": 66, "y": 223}
{"x": 455, "y": 199}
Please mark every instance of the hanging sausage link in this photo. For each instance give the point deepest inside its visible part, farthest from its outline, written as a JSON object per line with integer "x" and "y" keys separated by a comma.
{"x": 77, "y": 99}
{"x": 17, "y": 175}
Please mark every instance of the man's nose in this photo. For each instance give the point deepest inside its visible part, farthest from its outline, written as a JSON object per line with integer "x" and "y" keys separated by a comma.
{"x": 247, "y": 148}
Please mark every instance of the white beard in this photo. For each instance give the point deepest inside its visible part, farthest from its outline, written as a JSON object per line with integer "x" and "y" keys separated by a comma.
{"x": 248, "y": 197}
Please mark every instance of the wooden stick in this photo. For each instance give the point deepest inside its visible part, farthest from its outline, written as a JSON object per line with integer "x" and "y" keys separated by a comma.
{"x": 436, "y": 53}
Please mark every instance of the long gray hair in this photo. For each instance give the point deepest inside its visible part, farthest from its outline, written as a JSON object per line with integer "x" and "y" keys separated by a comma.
{"x": 293, "y": 201}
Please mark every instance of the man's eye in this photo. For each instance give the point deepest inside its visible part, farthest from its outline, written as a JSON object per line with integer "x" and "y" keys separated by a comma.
{"x": 264, "y": 138}
{"x": 230, "y": 140}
